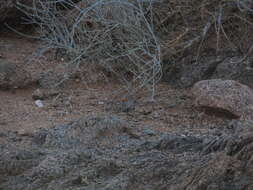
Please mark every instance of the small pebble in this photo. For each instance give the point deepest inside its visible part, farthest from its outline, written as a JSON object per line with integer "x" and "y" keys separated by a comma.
{"x": 39, "y": 103}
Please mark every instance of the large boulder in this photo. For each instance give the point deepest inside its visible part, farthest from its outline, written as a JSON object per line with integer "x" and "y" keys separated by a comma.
{"x": 225, "y": 96}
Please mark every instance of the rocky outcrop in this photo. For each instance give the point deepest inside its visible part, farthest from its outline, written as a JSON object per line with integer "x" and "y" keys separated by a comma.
{"x": 226, "y": 96}
{"x": 108, "y": 153}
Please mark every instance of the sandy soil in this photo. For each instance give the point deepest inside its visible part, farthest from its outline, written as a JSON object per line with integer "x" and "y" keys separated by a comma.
{"x": 172, "y": 110}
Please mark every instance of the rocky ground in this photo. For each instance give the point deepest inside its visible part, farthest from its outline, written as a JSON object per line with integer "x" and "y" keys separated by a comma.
{"x": 106, "y": 152}
{"x": 86, "y": 137}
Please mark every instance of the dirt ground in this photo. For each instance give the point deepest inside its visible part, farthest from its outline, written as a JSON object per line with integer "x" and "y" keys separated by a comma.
{"x": 172, "y": 110}
{"x": 87, "y": 136}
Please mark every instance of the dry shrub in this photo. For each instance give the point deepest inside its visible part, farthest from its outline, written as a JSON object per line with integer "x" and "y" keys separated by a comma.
{"x": 116, "y": 35}
{"x": 203, "y": 27}
{"x": 123, "y": 37}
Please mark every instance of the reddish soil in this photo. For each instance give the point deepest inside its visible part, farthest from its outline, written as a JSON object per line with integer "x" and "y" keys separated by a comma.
{"x": 172, "y": 109}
